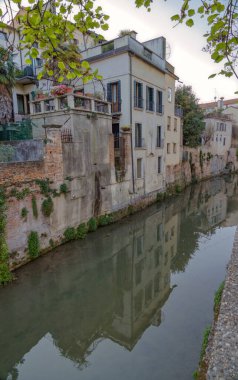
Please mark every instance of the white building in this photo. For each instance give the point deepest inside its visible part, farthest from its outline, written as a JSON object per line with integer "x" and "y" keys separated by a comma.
{"x": 140, "y": 84}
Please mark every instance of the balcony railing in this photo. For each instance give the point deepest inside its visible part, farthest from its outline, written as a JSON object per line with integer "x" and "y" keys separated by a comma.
{"x": 26, "y": 75}
{"x": 116, "y": 107}
{"x": 140, "y": 143}
{"x": 69, "y": 101}
{"x": 138, "y": 102}
{"x": 160, "y": 109}
{"x": 150, "y": 106}
{"x": 178, "y": 111}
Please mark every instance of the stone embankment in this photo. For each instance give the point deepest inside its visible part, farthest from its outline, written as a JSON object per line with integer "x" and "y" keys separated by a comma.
{"x": 223, "y": 347}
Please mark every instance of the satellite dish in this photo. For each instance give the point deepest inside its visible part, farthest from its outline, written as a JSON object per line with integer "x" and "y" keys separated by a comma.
{"x": 168, "y": 50}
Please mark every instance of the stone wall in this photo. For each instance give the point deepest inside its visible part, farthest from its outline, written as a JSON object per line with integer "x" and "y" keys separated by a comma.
{"x": 82, "y": 178}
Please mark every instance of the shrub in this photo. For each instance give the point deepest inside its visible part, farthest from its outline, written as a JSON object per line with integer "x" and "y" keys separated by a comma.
{"x": 33, "y": 245}
{"x": 69, "y": 233}
{"x": 92, "y": 224}
{"x": 47, "y": 207}
{"x": 205, "y": 341}
{"x": 63, "y": 188}
{"x": 178, "y": 189}
{"x": 81, "y": 231}
{"x": 103, "y": 220}
{"x": 24, "y": 212}
{"x": 5, "y": 274}
{"x": 34, "y": 207}
{"x": 217, "y": 297}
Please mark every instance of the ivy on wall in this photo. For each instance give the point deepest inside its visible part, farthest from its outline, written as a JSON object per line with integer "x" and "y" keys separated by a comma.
{"x": 5, "y": 274}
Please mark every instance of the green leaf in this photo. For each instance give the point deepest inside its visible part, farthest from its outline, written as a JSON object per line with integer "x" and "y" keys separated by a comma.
{"x": 175, "y": 18}
{"x": 191, "y": 12}
{"x": 189, "y": 22}
{"x": 201, "y": 9}
{"x": 34, "y": 53}
{"x": 61, "y": 65}
{"x": 85, "y": 65}
{"x": 212, "y": 76}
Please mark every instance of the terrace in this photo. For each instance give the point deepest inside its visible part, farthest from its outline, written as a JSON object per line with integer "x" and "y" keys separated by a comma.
{"x": 47, "y": 103}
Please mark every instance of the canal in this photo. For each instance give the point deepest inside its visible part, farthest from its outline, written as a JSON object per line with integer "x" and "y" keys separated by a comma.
{"x": 131, "y": 301}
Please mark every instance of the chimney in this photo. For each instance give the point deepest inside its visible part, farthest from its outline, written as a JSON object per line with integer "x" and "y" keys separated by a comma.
{"x": 133, "y": 34}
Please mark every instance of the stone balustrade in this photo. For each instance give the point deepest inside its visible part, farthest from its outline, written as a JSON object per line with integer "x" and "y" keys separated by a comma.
{"x": 69, "y": 101}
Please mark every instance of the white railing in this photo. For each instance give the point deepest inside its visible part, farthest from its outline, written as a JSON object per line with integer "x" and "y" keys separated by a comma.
{"x": 69, "y": 101}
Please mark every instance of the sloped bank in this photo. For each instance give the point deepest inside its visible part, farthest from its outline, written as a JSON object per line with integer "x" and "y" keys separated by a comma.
{"x": 221, "y": 358}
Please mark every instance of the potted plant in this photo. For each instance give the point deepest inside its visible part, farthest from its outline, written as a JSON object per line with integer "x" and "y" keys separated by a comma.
{"x": 39, "y": 94}
{"x": 126, "y": 128}
{"x": 59, "y": 90}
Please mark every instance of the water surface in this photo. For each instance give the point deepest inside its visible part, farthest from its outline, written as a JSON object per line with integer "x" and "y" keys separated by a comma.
{"x": 129, "y": 302}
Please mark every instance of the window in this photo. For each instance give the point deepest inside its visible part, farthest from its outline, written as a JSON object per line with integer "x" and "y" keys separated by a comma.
{"x": 39, "y": 62}
{"x": 139, "y": 168}
{"x": 169, "y": 94}
{"x": 138, "y": 95}
{"x": 114, "y": 95}
{"x": 75, "y": 41}
{"x": 149, "y": 98}
{"x": 224, "y": 141}
{"x": 169, "y": 123}
{"x": 159, "y": 102}
{"x": 20, "y": 104}
{"x": 159, "y": 164}
{"x": 158, "y": 137}
{"x": 174, "y": 148}
{"x": 218, "y": 126}
{"x": 138, "y": 136}
{"x": 168, "y": 148}
{"x": 175, "y": 124}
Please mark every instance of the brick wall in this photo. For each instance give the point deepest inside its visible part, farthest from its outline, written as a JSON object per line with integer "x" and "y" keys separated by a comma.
{"x": 51, "y": 167}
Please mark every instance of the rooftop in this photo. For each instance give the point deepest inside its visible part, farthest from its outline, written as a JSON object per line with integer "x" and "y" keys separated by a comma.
{"x": 153, "y": 52}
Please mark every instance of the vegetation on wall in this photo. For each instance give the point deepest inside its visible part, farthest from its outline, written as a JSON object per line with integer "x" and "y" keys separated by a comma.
{"x": 33, "y": 245}
{"x": 193, "y": 118}
{"x": 92, "y": 224}
{"x": 69, "y": 234}
{"x": 34, "y": 207}
{"x": 24, "y": 212}
{"x": 5, "y": 274}
{"x": 47, "y": 206}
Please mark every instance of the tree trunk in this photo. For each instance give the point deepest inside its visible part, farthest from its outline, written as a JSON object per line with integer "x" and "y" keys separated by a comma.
{"x": 6, "y": 105}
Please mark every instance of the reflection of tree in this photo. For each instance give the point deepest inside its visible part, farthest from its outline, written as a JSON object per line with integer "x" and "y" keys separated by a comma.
{"x": 187, "y": 244}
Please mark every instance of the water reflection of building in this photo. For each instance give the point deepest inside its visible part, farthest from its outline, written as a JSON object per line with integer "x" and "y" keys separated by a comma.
{"x": 113, "y": 285}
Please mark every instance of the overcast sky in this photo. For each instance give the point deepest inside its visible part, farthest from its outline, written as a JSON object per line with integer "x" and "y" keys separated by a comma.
{"x": 191, "y": 64}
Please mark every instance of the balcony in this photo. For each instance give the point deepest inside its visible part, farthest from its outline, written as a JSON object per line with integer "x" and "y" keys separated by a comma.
{"x": 178, "y": 111}
{"x": 69, "y": 101}
{"x": 27, "y": 75}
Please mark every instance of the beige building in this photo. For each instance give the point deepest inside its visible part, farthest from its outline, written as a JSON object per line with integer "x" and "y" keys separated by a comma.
{"x": 140, "y": 84}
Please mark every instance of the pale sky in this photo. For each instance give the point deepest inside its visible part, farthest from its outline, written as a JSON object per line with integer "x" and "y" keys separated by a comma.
{"x": 191, "y": 64}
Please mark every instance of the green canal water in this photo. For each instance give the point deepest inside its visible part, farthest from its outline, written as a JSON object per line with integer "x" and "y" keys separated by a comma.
{"x": 130, "y": 302}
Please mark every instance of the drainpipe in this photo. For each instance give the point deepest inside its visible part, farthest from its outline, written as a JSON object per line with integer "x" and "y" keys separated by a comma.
{"x": 132, "y": 156}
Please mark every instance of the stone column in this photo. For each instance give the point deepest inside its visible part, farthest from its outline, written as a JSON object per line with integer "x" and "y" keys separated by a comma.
{"x": 53, "y": 153}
